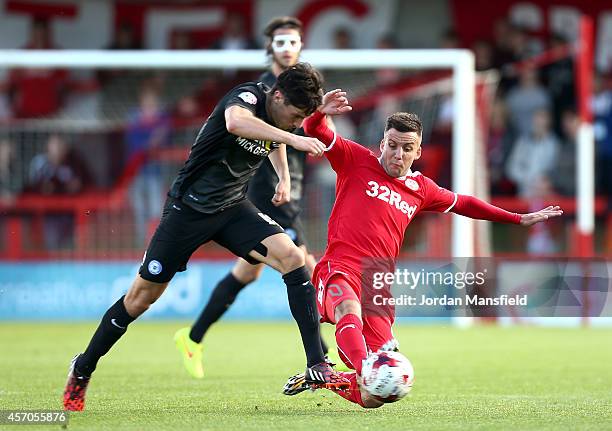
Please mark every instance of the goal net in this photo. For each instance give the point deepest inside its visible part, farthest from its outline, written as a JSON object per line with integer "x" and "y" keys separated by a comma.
{"x": 125, "y": 121}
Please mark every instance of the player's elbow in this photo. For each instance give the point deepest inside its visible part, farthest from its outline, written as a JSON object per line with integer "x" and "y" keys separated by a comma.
{"x": 232, "y": 125}
{"x": 234, "y": 119}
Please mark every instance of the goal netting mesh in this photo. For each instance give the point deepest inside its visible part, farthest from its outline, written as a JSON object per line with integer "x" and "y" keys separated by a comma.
{"x": 92, "y": 150}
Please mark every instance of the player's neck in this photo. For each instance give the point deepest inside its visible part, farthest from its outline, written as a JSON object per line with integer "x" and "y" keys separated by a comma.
{"x": 268, "y": 109}
{"x": 276, "y": 68}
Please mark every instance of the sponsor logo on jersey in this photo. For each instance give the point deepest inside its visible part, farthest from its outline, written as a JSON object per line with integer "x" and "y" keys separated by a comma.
{"x": 257, "y": 147}
{"x": 391, "y": 197}
{"x": 248, "y": 97}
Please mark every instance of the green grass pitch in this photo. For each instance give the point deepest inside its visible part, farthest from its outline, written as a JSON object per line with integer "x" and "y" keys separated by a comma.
{"x": 481, "y": 378}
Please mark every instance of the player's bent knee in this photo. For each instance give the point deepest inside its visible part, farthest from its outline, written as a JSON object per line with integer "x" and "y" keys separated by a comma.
{"x": 285, "y": 256}
{"x": 142, "y": 295}
{"x": 348, "y": 306}
{"x": 245, "y": 272}
{"x": 293, "y": 258}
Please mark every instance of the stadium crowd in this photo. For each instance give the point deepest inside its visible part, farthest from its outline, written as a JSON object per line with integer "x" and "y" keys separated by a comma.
{"x": 530, "y": 143}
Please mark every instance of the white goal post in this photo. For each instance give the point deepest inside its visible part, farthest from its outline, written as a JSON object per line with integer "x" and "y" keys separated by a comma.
{"x": 461, "y": 62}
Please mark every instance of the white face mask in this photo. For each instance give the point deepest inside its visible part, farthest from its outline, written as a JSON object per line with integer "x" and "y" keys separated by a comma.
{"x": 286, "y": 42}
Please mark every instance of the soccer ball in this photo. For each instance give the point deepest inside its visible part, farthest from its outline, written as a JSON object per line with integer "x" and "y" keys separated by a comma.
{"x": 387, "y": 376}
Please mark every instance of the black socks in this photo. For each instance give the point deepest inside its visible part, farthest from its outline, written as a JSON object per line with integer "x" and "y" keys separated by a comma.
{"x": 222, "y": 297}
{"x": 303, "y": 305}
{"x": 113, "y": 325}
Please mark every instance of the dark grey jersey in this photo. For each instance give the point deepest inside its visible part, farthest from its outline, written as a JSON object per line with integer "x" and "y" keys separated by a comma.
{"x": 220, "y": 164}
{"x": 263, "y": 184}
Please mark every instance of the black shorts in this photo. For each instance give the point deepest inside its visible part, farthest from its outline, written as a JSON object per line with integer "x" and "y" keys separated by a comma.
{"x": 287, "y": 217}
{"x": 182, "y": 230}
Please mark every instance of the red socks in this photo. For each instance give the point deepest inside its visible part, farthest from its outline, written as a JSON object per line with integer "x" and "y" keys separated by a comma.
{"x": 349, "y": 338}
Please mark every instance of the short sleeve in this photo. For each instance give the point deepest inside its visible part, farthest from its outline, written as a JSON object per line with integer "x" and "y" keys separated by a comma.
{"x": 437, "y": 198}
{"x": 246, "y": 97}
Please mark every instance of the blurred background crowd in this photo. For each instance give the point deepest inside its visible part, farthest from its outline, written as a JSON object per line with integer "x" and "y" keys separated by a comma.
{"x": 89, "y": 133}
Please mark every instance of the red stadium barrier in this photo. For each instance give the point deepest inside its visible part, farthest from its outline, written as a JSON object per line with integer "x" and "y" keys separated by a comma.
{"x": 83, "y": 206}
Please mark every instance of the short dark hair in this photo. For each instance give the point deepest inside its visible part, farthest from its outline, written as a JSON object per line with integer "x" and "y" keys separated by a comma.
{"x": 282, "y": 22}
{"x": 290, "y": 22}
{"x": 404, "y": 122}
{"x": 302, "y": 86}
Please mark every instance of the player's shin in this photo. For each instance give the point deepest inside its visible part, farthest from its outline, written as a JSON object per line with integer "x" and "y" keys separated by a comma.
{"x": 349, "y": 339}
{"x": 220, "y": 300}
{"x": 302, "y": 302}
{"x": 113, "y": 325}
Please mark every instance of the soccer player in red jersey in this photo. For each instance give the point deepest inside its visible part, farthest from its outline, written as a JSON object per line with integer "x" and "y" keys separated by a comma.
{"x": 376, "y": 199}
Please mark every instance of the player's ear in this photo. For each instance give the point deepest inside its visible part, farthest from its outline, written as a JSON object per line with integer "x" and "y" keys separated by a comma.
{"x": 278, "y": 96}
{"x": 382, "y": 145}
{"x": 418, "y": 153}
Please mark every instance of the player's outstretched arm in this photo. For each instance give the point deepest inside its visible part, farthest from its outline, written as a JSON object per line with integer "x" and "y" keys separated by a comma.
{"x": 475, "y": 208}
{"x": 242, "y": 122}
{"x": 279, "y": 162}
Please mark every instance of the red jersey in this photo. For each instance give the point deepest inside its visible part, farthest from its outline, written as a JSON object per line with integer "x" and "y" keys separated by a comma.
{"x": 372, "y": 209}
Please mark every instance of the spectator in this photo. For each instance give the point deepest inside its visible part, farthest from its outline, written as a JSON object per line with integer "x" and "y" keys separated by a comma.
{"x": 449, "y": 40}
{"x": 5, "y": 103}
{"x": 521, "y": 46}
{"x": 498, "y": 149}
{"x": 342, "y": 39}
{"x": 503, "y": 55}
{"x": 125, "y": 38}
{"x": 602, "y": 111}
{"x": 530, "y": 166}
{"x": 148, "y": 128}
{"x": 37, "y": 92}
{"x": 559, "y": 79}
{"x": 235, "y": 35}
{"x": 58, "y": 171}
{"x": 526, "y": 99}
{"x": 533, "y": 157}
{"x": 181, "y": 40}
{"x": 391, "y": 74}
{"x": 483, "y": 53}
{"x": 564, "y": 173}
{"x": 502, "y": 52}
{"x": 186, "y": 120}
{"x": 11, "y": 179}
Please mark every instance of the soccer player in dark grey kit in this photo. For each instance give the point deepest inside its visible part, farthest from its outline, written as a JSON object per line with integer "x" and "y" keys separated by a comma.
{"x": 284, "y": 44}
{"x": 207, "y": 202}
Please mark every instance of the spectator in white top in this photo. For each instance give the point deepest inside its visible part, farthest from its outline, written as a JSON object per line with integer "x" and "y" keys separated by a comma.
{"x": 524, "y": 100}
{"x": 533, "y": 157}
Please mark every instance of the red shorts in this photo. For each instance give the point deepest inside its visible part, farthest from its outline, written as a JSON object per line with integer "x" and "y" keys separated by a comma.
{"x": 335, "y": 284}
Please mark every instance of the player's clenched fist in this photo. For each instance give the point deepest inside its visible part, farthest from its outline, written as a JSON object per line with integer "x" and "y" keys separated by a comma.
{"x": 312, "y": 146}
{"x": 282, "y": 193}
